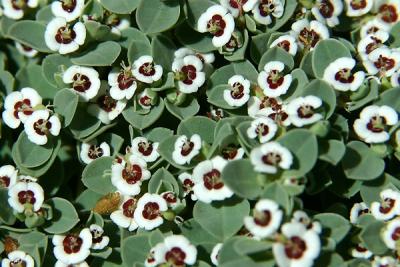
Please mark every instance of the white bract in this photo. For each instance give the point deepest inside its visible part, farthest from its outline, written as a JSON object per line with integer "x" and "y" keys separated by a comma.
{"x": 239, "y": 93}
{"x": 175, "y": 250}
{"x": 237, "y": 7}
{"x": 186, "y": 149}
{"x": 268, "y": 157}
{"x": 272, "y": 79}
{"x": 18, "y": 258}
{"x": 371, "y": 42}
{"x": 72, "y": 248}
{"x": 385, "y": 261}
{"x": 264, "y": 129}
{"x": 145, "y": 149}
{"x": 40, "y": 125}
{"x": 388, "y": 11}
{"x": 308, "y": 34}
{"x": 15, "y": 9}
{"x": 382, "y": 61}
{"x": 8, "y": 176}
{"x": 148, "y": 213}
{"x": 189, "y": 73}
{"x": 26, "y": 50}
{"x": 356, "y": 8}
{"x": 123, "y": 84}
{"x": 61, "y": 37}
{"x": 339, "y": 74}
{"x": 302, "y": 217}
{"x": 388, "y": 207}
{"x": 327, "y": 11}
{"x": 361, "y": 252}
{"x": 91, "y": 151}
{"x": 68, "y": 9}
{"x": 124, "y": 216}
{"x": 187, "y": 184}
{"x": 286, "y": 42}
{"x": 206, "y": 58}
{"x": 84, "y": 81}
{"x": 215, "y": 253}
{"x": 302, "y": 110}
{"x": 145, "y": 70}
{"x": 357, "y": 210}
{"x": 99, "y": 240}
{"x": 264, "y": 10}
{"x": 373, "y": 26}
{"x": 26, "y": 195}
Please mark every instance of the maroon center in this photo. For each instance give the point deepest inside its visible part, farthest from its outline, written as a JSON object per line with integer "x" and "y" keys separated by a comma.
{"x": 358, "y": 4}
{"x": 23, "y": 106}
{"x": 396, "y": 234}
{"x": 271, "y": 159}
{"x": 145, "y": 101}
{"x": 97, "y": 236}
{"x": 212, "y": 180}
{"x": 151, "y": 211}
{"x": 128, "y": 208}
{"x": 305, "y": 112}
{"x": 95, "y": 152}
{"x": 187, "y": 148}
{"x": 170, "y": 197}
{"x": 388, "y": 13}
{"x": 26, "y": 48}
{"x": 384, "y": 63}
{"x": 262, "y": 218}
{"x": 376, "y": 124}
{"x": 229, "y": 152}
{"x": 41, "y": 126}
{"x": 216, "y": 25}
{"x": 279, "y": 116}
{"x": 361, "y": 249}
{"x": 308, "y": 37}
{"x": 72, "y": 244}
{"x": 81, "y": 83}
{"x": 26, "y": 197}
{"x": 146, "y": 148}
{"x": 295, "y": 247}
{"x": 65, "y": 35}
{"x": 125, "y": 81}
{"x": 68, "y": 5}
{"x": 372, "y": 46}
{"x": 237, "y": 90}
{"x": 18, "y": 263}
{"x": 262, "y": 129}
{"x": 188, "y": 185}
{"x": 147, "y": 69}
{"x": 4, "y": 181}
{"x": 285, "y": 44}
{"x": 132, "y": 173}
{"x": 344, "y": 76}
{"x": 176, "y": 256}
{"x": 274, "y": 79}
{"x": 266, "y": 7}
{"x": 190, "y": 74}
{"x": 387, "y": 206}
{"x": 237, "y": 3}
{"x": 107, "y": 103}
{"x": 326, "y": 8}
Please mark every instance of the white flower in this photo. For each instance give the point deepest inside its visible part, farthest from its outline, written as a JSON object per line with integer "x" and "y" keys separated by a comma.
{"x": 68, "y": 9}
{"x": 382, "y": 60}
{"x": 150, "y": 260}
{"x": 386, "y": 261}
{"x": 371, "y": 42}
{"x": 373, "y": 122}
{"x": 40, "y": 125}
{"x": 302, "y": 217}
{"x": 15, "y": 9}
{"x": 357, "y": 210}
{"x": 172, "y": 200}
{"x": 148, "y": 213}
{"x": 190, "y": 74}
{"x": 176, "y": 250}
{"x": 123, "y": 217}
{"x": 269, "y": 156}
{"x": 287, "y": 43}
{"x": 239, "y": 93}
{"x": 262, "y": 128}
{"x": 236, "y": 7}
{"x": 127, "y": 177}
{"x": 361, "y": 252}
{"x": 388, "y": 207}
{"x": 26, "y": 50}
{"x": 106, "y": 108}
{"x": 208, "y": 181}
{"x": 395, "y": 79}
{"x": 72, "y": 248}
{"x": 18, "y": 106}
{"x": 145, "y": 99}
{"x": 231, "y": 152}
{"x": 302, "y": 110}
{"x": 327, "y": 11}
{"x": 91, "y": 151}
{"x": 145, "y": 149}
{"x": 187, "y": 184}
{"x": 391, "y": 234}
{"x": 373, "y": 26}
{"x": 123, "y": 84}
{"x": 84, "y": 81}
{"x": 18, "y": 258}
{"x": 186, "y": 149}
{"x": 8, "y": 176}
{"x": 145, "y": 70}
{"x": 99, "y": 241}
{"x": 215, "y": 253}
{"x": 356, "y": 8}
{"x": 80, "y": 264}
{"x": 206, "y": 58}
{"x": 270, "y": 108}
{"x": 219, "y": 22}
{"x": 26, "y": 195}
{"x": 266, "y": 219}
{"x": 59, "y": 36}
{"x": 300, "y": 248}
{"x": 339, "y": 74}
{"x": 272, "y": 79}
{"x": 308, "y": 34}
{"x": 118, "y": 23}
{"x": 389, "y": 11}
{"x": 264, "y": 9}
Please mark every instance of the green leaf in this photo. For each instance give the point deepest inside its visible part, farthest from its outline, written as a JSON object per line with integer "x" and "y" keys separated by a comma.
{"x": 153, "y": 16}
{"x": 34, "y": 239}
{"x": 104, "y": 54}
{"x": 222, "y": 75}
{"x": 31, "y": 155}
{"x": 163, "y": 181}
{"x": 239, "y": 54}
{"x": 361, "y": 163}
{"x": 368, "y": 92}
{"x": 325, "y": 52}
{"x": 371, "y": 238}
{"x": 163, "y": 50}
{"x": 65, "y": 104}
{"x": 202, "y": 126}
{"x": 395, "y": 34}
{"x": 306, "y": 64}
{"x": 120, "y": 6}
{"x": 198, "y": 235}
{"x": 258, "y": 46}
{"x": 370, "y": 190}
{"x": 83, "y": 125}
{"x": 193, "y": 39}
{"x": 240, "y": 177}
{"x": 290, "y": 7}
{"x": 142, "y": 121}
{"x": 53, "y": 65}
{"x": 390, "y": 98}
{"x": 186, "y": 110}
{"x": 215, "y": 96}
{"x": 7, "y": 82}
{"x": 6, "y": 212}
{"x": 97, "y": 31}
{"x": 331, "y": 150}
{"x": 64, "y": 218}
{"x": 87, "y": 199}
{"x": 334, "y": 225}
{"x": 159, "y": 134}
{"x": 222, "y": 219}
{"x": 276, "y": 54}
{"x": 135, "y": 249}
{"x": 137, "y": 49}
{"x": 130, "y": 34}
{"x": 30, "y": 33}
{"x": 97, "y": 176}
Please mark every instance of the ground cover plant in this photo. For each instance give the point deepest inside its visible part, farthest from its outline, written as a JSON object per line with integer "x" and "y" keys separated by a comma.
{"x": 233, "y": 133}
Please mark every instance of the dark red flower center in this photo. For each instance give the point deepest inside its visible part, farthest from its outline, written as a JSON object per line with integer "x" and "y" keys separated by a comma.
{"x": 358, "y": 4}
{"x": 384, "y": 63}
{"x": 212, "y": 180}
{"x": 388, "y": 13}
{"x": 65, "y": 35}
{"x": 4, "y": 181}
{"x": 376, "y": 124}
{"x": 97, "y": 236}
{"x": 396, "y": 234}
{"x": 151, "y": 210}
{"x": 176, "y": 257}
{"x": 147, "y": 69}
{"x": 42, "y": 127}
{"x": 229, "y": 152}
{"x": 23, "y": 106}
{"x": 68, "y": 5}
{"x": 170, "y": 197}
{"x": 237, "y": 3}
{"x": 188, "y": 185}
{"x": 81, "y": 83}
{"x": 295, "y": 247}
{"x": 262, "y": 129}
{"x": 373, "y": 45}
{"x": 128, "y": 208}
{"x": 271, "y": 158}
{"x": 309, "y": 38}
{"x": 132, "y": 173}
{"x": 125, "y": 80}
{"x": 274, "y": 79}
{"x": 266, "y": 7}
{"x": 285, "y": 44}
{"x": 146, "y": 148}
{"x": 216, "y": 25}
{"x": 237, "y": 90}
{"x": 344, "y": 76}
{"x": 18, "y": 263}
{"x": 326, "y": 8}
{"x": 305, "y": 111}
{"x": 262, "y": 218}
{"x": 95, "y": 152}
{"x": 187, "y": 147}
{"x": 107, "y": 103}
{"x": 26, "y": 48}
{"x": 189, "y": 72}
{"x": 145, "y": 101}
{"x": 26, "y": 197}
{"x": 387, "y": 205}
{"x": 72, "y": 244}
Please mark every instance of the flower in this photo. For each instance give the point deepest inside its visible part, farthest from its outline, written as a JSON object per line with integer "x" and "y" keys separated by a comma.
{"x": 302, "y": 110}
{"x": 339, "y": 74}
{"x": 357, "y": 210}
{"x": 206, "y": 58}
{"x": 145, "y": 70}
{"x": 145, "y": 149}
{"x": 270, "y": 108}
{"x": 386, "y": 261}
{"x": 18, "y": 258}
{"x": 26, "y": 50}
{"x": 146, "y": 99}
{"x": 40, "y": 125}
{"x": 302, "y": 217}
{"x": 15, "y": 9}
{"x": 327, "y": 11}
{"x": 395, "y": 79}
{"x": 68, "y": 9}
{"x": 218, "y": 22}
{"x": 360, "y": 252}
{"x": 150, "y": 260}
{"x": 236, "y": 7}
{"x": 287, "y": 43}
{"x": 186, "y": 149}
{"x": 215, "y": 253}
{"x": 124, "y": 216}
{"x": 239, "y": 93}
{"x": 208, "y": 184}
{"x": 388, "y": 11}
{"x": 72, "y": 248}
{"x": 127, "y": 176}
{"x": 299, "y": 248}
{"x": 8, "y": 176}
{"x": 232, "y": 152}
{"x": 189, "y": 73}
{"x": 80, "y": 264}
{"x": 391, "y": 234}
{"x": 373, "y": 122}
{"x": 148, "y": 213}
{"x": 175, "y": 250}
{"x": 84, "y": 81}
{"x": 99, "y": 241}
{"x": 262, "y": 128}
{"x": 371, "y": 42}
{"x": 382, "y": 61}
{"x": 269, "y": 156}
{"x": 357, "y": 8}
{"x": 272, "y": 80}
{"x": 264, "y": 9}
{"x": 117, "y": 22}
{"x": 308, "y": 34}
{"x": 187, "y": 184}
{"x": 266, "y": 219}
{"x": 59, "y": 36}
{"x": 90, "y": 151}
{"x": 388, "y": 207}
{"x": 19, "y": 106}
{"x": 171, "y": 199}
{"x": 26, "y": 195}
{"x": 373, "y": 26}
{"x": 123, "y": 84}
